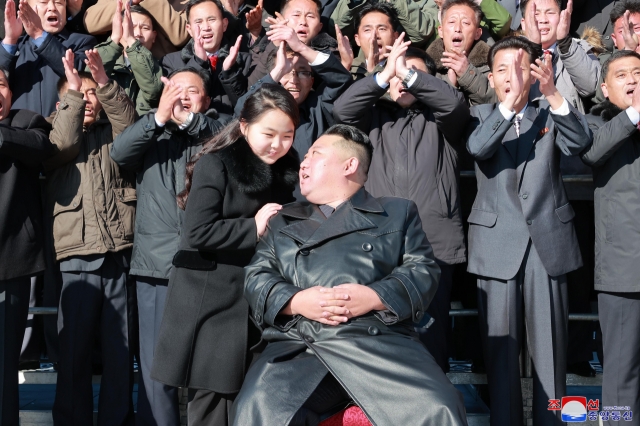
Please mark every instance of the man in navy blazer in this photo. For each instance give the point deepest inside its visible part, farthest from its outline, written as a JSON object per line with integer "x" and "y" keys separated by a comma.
{"x": 521, "y": 236}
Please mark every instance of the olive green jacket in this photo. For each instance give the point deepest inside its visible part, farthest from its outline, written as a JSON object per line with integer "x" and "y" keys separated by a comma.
{"x": 140, "y": 80}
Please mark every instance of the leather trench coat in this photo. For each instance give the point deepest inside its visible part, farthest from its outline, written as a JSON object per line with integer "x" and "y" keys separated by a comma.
{"x": 377, "y": 357}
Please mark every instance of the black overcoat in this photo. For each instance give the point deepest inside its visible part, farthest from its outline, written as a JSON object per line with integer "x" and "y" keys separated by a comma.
{"x": 24, "y": 144}
{"x": 206, "y": 332}
{"x": 376, "y": 357}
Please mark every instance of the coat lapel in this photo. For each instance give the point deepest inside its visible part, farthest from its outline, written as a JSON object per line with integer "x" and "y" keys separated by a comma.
{"x": 529, "y": 135}
{"x": 310, "y": 220}
{"x": 511, "y": 141}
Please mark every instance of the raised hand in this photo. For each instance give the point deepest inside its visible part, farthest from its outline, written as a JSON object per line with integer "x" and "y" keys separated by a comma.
{"x": 283, "y": 64}
{"x": 95, "y": 66}
{"x": 344, "y": 48}
{"x": 629, "y": 36}
{"x": 373, "y": 58}
{"x": 635, "y": 101}
{"x": 543, "y": 72}
{"x": 198, "y": 44}
{"x": 254, "y": 21}
{"x": 515, "y": 81}
{"x": 170, "y": 94}
{"x": 73, "y": 79}
{"x": 128, "y": 38}
{"x": 281, "y": 32}
{"x": 531, "y": 30}
{"x": 279, "y": 19}
{"x": 116, "y": 25}
{"x": 458, "y": 62}
{"x": 565, "y": 21}
{"x": 230, "y": 60}
{"x": 395, "y": 58}
{"x": 30, "y": 20}
{"x": 12, "y": 24}
{"x": 264, "y": 214}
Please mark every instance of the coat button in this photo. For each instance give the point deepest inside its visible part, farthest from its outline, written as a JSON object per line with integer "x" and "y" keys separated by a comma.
{"x": 309, "y": 339}
{"x": 75, "y": 204}
{"x": 529, "y": 222}
{"x": 367, "y": 247}
{"x": 374, "y": 331}
{"x": 525, "y": 196}
{"x": 419, "y": 314}
{"x": 305, "y": 252}
{"x": 257, "y": 317}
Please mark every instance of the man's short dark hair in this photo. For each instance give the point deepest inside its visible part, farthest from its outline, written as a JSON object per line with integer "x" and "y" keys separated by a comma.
{"x": 136, "y": 8}
{"x": 355, "y": 140}
{"x": 5, "y": 71}
{"x": 204, "y": 76}
{"x": 385, "y": 9}
{"x": 515, "y": 43}
{"x": 619, "y": 54}
{"x": 192, "y": 3}
{"x": 414, "y": 52}
{"x": 525, "y": 3}
{"x": 62, "y": 82}
{"x": 448, "y": 4}
{"x": 620, "y": 8}
{"x": 285, "y": 3}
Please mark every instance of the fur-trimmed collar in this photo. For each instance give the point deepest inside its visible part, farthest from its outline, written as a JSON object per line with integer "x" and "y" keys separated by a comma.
{"x": 252, "y": 175}
{"x": 478, "y": 57}
{"x": 606, "y": 110}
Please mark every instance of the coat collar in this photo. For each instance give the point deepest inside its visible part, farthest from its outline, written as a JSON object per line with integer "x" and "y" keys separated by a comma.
{"x": 606, "y": 110}
{"x": 529, "y": 128}
{"x": 312, "y": 228}
{"x": 477, "y": 56}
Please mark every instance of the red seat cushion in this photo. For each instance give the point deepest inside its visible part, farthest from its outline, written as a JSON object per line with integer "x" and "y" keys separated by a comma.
{"x": 350, "y": 416}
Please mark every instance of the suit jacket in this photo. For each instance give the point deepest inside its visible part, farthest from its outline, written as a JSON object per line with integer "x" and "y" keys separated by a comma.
{"x": 520, "y": 190}
{"x": 24, "y": 144}
{"x": 593, "y": 13}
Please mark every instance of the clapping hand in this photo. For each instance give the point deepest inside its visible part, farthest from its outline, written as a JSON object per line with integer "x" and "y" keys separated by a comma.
{"x": 516, "y": 83}
{"x": 531, "y": 30}
{"x": 565, "y": 21}
{"x": 73, "y": 79}
{"x": 283, "y": 64}
{"x": 12, "y": 24}
{"x": 543, "y": 72}
{"x": 254, "y": 21}
{"x": 230, "y": 60}
{"x": 396, "y": 56}
{"x": 30, "y": 20}
{"x": 628, "y": 33}
{"x": 96, "y": 67}
{"x": 344, "y": 47}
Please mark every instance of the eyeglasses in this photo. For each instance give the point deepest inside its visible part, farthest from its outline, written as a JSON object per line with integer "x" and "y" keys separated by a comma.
{"x": 302, "y": 75}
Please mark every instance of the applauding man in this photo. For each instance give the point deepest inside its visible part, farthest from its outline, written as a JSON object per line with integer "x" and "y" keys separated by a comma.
{"x": 35, "y": 56}
{"x": 522, "y": 242}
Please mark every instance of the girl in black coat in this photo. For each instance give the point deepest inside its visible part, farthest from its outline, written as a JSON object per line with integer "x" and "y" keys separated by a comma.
{"x": 233, "y": 186}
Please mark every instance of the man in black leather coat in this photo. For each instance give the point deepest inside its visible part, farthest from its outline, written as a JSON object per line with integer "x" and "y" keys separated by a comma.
{"x": 337, "y": 284}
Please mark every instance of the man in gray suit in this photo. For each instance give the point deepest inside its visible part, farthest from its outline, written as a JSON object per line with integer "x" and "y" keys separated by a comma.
{"x": 615, "y": 159}
{"x": 521, "y": 236}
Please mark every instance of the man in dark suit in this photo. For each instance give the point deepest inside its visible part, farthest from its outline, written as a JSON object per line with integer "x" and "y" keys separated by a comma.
{"x": 24, "y": 144}
{"x": 521, "y": 236}
{"x": 615, "y": 159}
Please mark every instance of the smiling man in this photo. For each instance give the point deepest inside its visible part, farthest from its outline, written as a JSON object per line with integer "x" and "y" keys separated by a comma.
{"x": 36, "y": 55}
{"x": 158, "y": 147}
{"x": 346, "y": 335}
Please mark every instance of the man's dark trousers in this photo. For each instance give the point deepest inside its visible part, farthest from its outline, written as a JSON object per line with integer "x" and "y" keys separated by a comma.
{"x": 157, "y": 403}
{"x": 620, "y": 322}
{"x": 14, "y": 308}
{"x": 94, "y": 303}
{"x": 500, "y": 307}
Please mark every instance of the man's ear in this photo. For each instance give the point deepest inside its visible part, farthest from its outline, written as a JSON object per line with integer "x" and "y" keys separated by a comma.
{"x": 478, "y": 33}
{"x": 490, "y": 77}
{"x": 57, "y": 105}
{"x": 351, "y": 166}
{"x": 225, "y": 23}
{"x": 605, "y": 91}
{"x": 206, "y": 104}
{"x": 357, "y": 39}
{"x": 188, "y": 26}
{"x": 440, "y": 31}
{"x": 154, "y": 34}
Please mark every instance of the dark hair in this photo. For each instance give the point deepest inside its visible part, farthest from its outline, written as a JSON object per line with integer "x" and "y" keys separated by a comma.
{"x": 5, "y": 71}
{"x": 385, "y": 9}
{"x": 136, "y": 8}
{"x": 62, "y": 82}
{"x": 414, "y": 52}
{"x": 618, "y": 54}
{"x": 525, "y": 3}
{"x": 448, "y": 4}
{"x": 285, "y": 3}
{"x": 204, "y": 76}
{"x": 267, "y": 98}
{"x": 355, "y": 140}
{"x": 620, "y": 8}
{"x": 514, "y": 42}
{"x": 192, "y": 3}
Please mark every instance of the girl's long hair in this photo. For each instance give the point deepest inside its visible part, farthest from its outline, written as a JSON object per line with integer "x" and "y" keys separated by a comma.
{"x": 267, "y": 98}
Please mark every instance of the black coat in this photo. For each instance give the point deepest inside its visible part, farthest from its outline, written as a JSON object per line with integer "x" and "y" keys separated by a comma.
{"x": 24, "y": 144}
{"x": 206, "y": 333}
{"x": 376, "y": 357}
{"x": 615, "y": 159}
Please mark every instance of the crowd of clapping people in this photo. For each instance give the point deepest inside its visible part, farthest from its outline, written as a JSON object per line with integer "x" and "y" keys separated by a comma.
{"x": 262, "y": 202}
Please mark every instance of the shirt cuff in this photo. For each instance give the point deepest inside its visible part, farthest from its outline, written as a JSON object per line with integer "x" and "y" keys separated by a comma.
{"x": 381, "y": 84}
{"x": 159, "y": 124}
{"x": 563, "y": 110}
{"x": 320, "y": 59}
{"x": 10, "y": 48}
{"x": 38, "y": 41}
{"x": 633, "y": 115}
{"x": 508, "y": 115}
{"x": 414, "y": 77}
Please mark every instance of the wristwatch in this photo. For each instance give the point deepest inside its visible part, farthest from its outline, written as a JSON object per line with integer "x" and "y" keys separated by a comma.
{"x": 407, "y": 78}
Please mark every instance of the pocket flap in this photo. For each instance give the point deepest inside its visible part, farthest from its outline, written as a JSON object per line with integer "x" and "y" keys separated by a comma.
{"x": 72, "y": 204}
{"x": 125, "y": 195}
{"x": 565, "y": 213}
{"x": 480, "y": 217}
